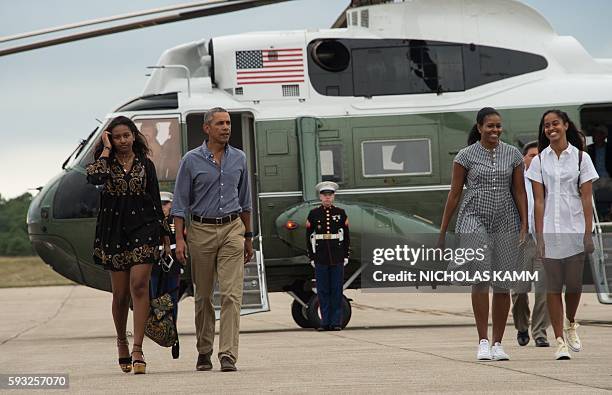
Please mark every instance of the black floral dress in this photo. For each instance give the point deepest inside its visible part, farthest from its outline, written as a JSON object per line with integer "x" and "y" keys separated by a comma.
{"x": 131, "y": 221}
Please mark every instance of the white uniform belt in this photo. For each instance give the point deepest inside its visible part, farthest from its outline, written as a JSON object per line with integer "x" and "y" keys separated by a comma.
{"x": 334, "y": 236}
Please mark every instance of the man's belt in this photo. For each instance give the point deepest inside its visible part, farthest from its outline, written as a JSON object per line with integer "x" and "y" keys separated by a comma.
{"x": 327, "y": 236}
{"x": 215, "y": 221}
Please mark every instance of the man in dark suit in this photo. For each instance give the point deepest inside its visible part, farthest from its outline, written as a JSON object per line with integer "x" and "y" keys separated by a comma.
{"x": 601, "y": 154}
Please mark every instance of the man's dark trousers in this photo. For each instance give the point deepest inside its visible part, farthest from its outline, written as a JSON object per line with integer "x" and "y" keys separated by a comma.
{"x": 329, "y": 290}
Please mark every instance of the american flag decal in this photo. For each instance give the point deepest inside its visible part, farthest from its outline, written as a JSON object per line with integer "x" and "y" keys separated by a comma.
{"x": 269, "y": 66}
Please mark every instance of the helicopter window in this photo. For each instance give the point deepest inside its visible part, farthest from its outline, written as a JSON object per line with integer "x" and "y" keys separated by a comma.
{"x": 331, "y": 55}
{"x": 376, "y": 67}
{"x": 166, "y": 101}
{"x": 331, "y": 163}
{"x": 381, "y": 158}
{"x": 86, "y": 155}
{"x": 75, "y": 198}
{"x": 164, "y": 139}
{"x": 412, "y": 68}
{"x": 489, "y": 64}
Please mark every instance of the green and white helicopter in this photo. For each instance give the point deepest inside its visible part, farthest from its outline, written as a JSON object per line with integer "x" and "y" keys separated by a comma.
{"x": 380, "y": 103}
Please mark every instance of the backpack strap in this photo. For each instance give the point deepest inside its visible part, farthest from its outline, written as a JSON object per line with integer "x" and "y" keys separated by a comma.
{"x": 542, "y": 175}
{"x": 579, "y": 161}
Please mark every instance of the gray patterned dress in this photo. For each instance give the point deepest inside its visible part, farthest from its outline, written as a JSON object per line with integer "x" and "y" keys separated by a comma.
{"x": 488, "y": 217}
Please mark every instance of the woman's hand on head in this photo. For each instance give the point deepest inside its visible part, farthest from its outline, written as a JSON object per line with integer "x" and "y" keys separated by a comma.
{"x": 106, "y": 139}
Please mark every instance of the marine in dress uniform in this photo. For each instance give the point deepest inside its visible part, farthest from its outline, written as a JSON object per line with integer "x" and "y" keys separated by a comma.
{"x": 327, "y": 239}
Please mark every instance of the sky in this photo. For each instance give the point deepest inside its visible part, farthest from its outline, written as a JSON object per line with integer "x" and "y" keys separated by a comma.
{"x": 50, "y": 98}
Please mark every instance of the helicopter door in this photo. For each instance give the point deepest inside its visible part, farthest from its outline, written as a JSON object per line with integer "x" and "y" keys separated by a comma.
{"x": 255, "y": 290}
{"x": 601, "y": 264}
{"x": 321, "y": 142}
{"x": 596, "y": 121}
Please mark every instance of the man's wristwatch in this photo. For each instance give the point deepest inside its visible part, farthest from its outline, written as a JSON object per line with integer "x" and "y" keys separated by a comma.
{"x": 248, "y": 235}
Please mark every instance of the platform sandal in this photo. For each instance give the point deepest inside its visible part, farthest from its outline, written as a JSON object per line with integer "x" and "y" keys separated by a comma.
{"x": 140, "y": 366}
{"x": 125, "y": 363}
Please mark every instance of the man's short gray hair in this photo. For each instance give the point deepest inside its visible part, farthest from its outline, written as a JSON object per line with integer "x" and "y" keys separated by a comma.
{"x": 210, "y": 113}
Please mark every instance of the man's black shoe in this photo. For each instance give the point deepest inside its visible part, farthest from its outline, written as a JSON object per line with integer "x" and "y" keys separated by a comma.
{"x": 336, "y": 328}
{"x": 522, "y": 338}
{"x": 204, "y": 362}
{"x": 542, "y": 342}
{"x": 227, "y": 365}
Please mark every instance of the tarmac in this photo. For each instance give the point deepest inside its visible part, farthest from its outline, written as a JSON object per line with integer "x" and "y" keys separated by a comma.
{"x": 395, "y": 343}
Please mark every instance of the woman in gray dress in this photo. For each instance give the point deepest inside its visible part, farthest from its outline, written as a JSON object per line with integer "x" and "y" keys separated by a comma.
{"x": 492, "y": 217}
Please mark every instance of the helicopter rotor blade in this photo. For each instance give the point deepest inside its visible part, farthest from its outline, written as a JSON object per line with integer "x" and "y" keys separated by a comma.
{"x": 227, "y": 7}
{"x": 114, "y": 18}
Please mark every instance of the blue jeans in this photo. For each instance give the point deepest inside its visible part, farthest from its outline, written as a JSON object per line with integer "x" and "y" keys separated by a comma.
{"x": 330, "y": 279}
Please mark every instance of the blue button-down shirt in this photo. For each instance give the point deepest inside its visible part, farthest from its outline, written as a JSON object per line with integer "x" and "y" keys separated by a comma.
{"x": 203, "y": 188}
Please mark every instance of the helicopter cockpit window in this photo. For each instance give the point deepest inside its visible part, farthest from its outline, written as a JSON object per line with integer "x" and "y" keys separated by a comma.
{"x": 86, "y": 155}
{"x": 164, "y": 138}
{"x": 75, "y": 197}
{"x": 331, "y": 163}
{"x": 382, "y": 158}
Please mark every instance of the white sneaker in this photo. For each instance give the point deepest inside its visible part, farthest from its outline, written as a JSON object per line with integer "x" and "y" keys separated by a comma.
{"x": 562, "y": 351}
{"x": 484, "y": 351}
{"x": 498, "y": 353}
{"x": 571, "y": 336}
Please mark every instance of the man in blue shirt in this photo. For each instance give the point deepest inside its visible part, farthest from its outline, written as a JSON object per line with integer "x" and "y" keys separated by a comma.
{"x": 212, "y": 190}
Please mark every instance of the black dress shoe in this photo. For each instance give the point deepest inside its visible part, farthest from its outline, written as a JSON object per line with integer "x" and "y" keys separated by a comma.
{"x": 204, "y": 362}
{"x": 227, "y": 364}
{"x": 542, "y": 342}
{"x": 336, "y": 328}
{"x": 522, "y": 337}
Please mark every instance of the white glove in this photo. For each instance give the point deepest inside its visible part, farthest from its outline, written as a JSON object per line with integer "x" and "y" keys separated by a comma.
{"x": 312, "y": 263}
{"x": 345, "y": 261}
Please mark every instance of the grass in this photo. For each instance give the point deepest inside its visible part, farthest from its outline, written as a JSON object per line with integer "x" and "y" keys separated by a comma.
{"x": 28, "y": 271}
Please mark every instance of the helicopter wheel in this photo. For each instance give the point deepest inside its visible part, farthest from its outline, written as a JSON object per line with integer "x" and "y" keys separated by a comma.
{"x": 300, "y": 314}
{"x": 314, "y": 312}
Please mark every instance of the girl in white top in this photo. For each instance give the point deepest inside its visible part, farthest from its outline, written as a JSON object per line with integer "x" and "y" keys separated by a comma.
{"x": 562, "y": 176}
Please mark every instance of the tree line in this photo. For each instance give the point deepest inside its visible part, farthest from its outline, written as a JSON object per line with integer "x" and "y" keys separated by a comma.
{"x": 13, "y": 228}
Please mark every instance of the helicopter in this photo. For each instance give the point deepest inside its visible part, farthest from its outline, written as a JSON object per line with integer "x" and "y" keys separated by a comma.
{"x": 380, "y": 104}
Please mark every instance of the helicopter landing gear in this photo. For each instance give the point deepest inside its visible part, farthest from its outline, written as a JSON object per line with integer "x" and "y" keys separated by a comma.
{"x": 299, "y": 312}
{"x": 301, "y": 292}
{"x": 308, "y": 315}
{"x": 305, "y": 306}
{"x": 314, "y": 312}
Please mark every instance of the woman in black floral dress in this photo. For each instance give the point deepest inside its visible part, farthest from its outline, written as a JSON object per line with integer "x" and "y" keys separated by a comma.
{"x": 130, "y": 228}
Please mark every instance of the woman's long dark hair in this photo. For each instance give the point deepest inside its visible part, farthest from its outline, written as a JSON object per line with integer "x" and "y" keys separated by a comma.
{"x": 140, "y": 147}
{"x": 474, "y": 135}
{"x": 572, "y": 134}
